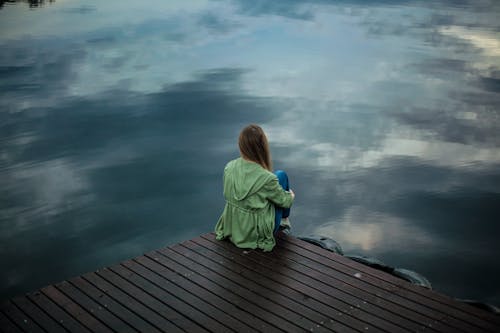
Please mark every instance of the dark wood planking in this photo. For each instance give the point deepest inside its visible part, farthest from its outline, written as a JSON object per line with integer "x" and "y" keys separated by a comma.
{"x": 353, "y": 313}
{"x": 256, "y": 295}
{"x": 39, "y": 316}
{"x": 187, "y": 316}
{"x": 434, "y": 301}
{"x": 130, "y": 302}
{"x": 184, "y": 267}
{"x": 196, "y": 284}
{"x": 398, "y": 307}
{"x": 395, "y": 293}
{"x": 266, "y": 297}
{"x": 434, "y": 296}
{"x": 56, "y": 312}
{"x": 7, "y": 325}
{"x": 194, "y": 312}
{"x": 75, "y": 310}
{"x": 225, "y": 287}
{"x": 120, "y": 310}
{"x": 100, "y": 312}
{"x": 324, "y": 279}
{"x": 298, "y": 300}
{"x": 266, "y": 263}
{"x": 390, "y": 300}
{"x": 207, "y": 285}
{"x": 20, "y": 318}
{"x": 261, "y": 285}
{"x": 204, "y": 299}
{"x": 159, "y": 311}
{"x": 175, "y": 305}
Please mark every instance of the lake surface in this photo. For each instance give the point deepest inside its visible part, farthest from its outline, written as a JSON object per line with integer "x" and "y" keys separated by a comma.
{"x": 117, "y": 118}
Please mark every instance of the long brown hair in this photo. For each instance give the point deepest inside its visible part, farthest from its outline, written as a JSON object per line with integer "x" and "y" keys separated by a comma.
{"x": 254, "y": 146}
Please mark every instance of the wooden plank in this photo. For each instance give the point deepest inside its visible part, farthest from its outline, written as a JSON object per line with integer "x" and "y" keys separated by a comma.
{"x": 119, "y": 310}
{"x": 354, "y": 313}
{"x": 466, "y": 320}
{"x": 212, "y": 286}
{"x": 222, "y": 286}
{"x": 267, "y": 288}
{"x": 166, "y": 304}
{"x": 398, "y": 306}
{"x": 257, "y": 295}
{"x": 297, "y": 301}
{"x": 20, "y": 318}
{"x": 40, "y": 317}
{"x": 466, "y": 310}
{"x": 57, "y": 313}
{"x": 192, "y": 306}
{"x": 8, "y": 326}
{"x": 94, "y": 308}
{"x": 325, "y": 279}
{"x": 130, "y": 302}
{"x": 75, "y": 310}
{"x": 404, "y": 307}
{"x": 264, "y": 321}
{"x": 261, "y": 295}
{"x": 268, "y": 265}
{"x": 165, "y": 277}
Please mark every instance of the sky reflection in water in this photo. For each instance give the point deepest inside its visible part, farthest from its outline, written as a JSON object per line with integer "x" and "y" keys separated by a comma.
{"x": 116, "y": 122}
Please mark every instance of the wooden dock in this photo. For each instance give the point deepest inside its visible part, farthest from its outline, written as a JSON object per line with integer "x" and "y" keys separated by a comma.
{"x": 204, "y": 285}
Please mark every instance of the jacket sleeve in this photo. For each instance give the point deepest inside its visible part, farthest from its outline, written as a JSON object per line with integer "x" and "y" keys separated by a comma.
{"x": 276, "y": 194}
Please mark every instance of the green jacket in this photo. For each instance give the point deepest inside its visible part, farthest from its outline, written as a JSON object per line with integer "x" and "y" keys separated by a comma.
{"x": 251, "y": 193}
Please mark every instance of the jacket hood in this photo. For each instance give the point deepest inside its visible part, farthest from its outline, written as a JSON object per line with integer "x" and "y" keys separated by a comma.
{"x": 247, "y": 178}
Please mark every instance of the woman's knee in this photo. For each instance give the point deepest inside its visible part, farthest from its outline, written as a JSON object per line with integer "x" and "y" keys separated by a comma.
{"x": 282, "y": 178}
{"x": 280, "y": 173}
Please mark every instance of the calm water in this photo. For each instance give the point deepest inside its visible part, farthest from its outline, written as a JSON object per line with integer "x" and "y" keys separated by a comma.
{"x": 117, "y": 118}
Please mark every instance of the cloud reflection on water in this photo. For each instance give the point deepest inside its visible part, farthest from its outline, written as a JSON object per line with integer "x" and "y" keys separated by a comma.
{"x": 127, "y": 158}
{"x": 372, "y": 232}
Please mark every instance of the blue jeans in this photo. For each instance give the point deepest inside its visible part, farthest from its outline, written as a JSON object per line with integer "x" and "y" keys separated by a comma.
{"x": 281, "y": 212}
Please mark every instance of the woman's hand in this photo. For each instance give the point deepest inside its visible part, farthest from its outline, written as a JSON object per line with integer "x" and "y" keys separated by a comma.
{"x": 293, "y": 194}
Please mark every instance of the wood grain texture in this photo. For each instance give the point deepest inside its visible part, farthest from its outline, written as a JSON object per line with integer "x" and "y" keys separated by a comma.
{"x": 205, "y": 285}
